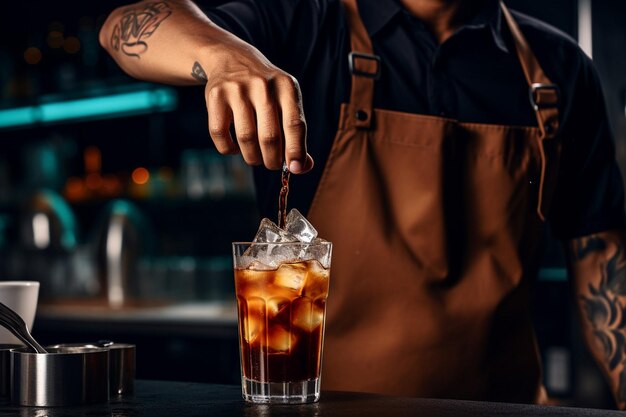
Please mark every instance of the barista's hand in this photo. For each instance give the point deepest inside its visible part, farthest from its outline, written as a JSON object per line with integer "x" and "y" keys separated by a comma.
{"x": 175, "y": 43}
{"x": 263, "y": 103}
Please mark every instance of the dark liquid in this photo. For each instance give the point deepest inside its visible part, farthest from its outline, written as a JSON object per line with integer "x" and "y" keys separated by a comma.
{"x": 281, "y": 328}
{"x": 282, "y": 200}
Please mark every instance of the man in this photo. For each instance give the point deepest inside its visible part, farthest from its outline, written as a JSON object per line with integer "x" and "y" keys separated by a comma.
{"x": 461, "y": 129}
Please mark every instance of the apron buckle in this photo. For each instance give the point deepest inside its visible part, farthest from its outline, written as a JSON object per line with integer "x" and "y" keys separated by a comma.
{"x": 544, "y": 96}
{"x": 353, "y": 56}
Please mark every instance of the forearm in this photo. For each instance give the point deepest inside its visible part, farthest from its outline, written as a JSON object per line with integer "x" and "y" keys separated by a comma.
{"x": 598, "y": 267}
{"x": 174, "y": 42}
{"x": 171, "y": 42}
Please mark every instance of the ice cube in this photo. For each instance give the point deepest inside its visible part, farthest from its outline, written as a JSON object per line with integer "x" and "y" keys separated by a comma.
{"x": 246, "y": 276}
{"x": 252, "y": 328}
{"x": 269, "y": 232}
{"x": 243, "y": 261}
{"x": 281, "y": 254}
{"x": 291, "y": 276}
{"x": 280, "y": 340}
{"x": 254, "y": 319}
{"x": 316, "y": 281}
{"x": 319, "y": 250}
{"x": 277, "y": 305}
{"x": 306, "y": 315}
{"x": 298, "y": 226}
{"x": 252, "y": 284}
{"x": 257, "y": 265}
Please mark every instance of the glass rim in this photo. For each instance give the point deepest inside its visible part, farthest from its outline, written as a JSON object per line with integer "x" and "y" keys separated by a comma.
{"x": 16, "y": 283}
{"x": 281, "y": 243}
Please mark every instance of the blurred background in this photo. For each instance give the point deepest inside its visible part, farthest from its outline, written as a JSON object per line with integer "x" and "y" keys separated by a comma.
{"x": 112, "y": 196}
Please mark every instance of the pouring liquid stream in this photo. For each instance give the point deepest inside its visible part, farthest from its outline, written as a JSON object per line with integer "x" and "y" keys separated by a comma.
{"x": 282, "y": 199}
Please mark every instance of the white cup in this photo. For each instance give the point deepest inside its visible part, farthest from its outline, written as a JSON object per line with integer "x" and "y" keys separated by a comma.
{"x": 21, "y": 297}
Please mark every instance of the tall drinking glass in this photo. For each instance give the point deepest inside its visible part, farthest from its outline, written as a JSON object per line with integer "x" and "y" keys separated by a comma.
{"x": 281, "y": 297}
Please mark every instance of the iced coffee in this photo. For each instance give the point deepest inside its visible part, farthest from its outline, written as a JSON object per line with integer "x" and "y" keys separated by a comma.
{"x": 282, "y": 281}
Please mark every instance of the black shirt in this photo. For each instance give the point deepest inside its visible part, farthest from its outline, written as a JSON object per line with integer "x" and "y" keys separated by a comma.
{"x": 474, "y": 76}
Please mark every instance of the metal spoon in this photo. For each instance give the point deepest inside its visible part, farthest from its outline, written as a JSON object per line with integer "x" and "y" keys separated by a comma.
{"x": 18, "y": 331}
{"x": 11, "y": 327}
{"x": 14, "y": 323}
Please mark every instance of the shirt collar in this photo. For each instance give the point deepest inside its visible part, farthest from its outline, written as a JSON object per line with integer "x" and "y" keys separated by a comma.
{"x": 376, "y": 14}
{"x": 490, "y": 17}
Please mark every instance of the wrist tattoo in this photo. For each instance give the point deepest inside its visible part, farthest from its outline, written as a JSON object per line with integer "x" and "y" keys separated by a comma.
{"x": 198, "y": 73}
{"x": 136, "y": 25}
{"x": 604, "y": 308}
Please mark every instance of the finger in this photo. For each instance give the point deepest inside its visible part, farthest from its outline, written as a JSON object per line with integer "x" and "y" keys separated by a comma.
{"x": 245, "y": 129}
{"x": 308, "y": 164}
{"x": 220, "y": 119}
{"x": 293, "y": 124}
{"x": 268, "y": 127}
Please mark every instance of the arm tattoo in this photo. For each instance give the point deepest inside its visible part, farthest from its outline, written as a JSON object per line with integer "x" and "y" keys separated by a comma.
{"x": 604, "y": 308}
{"x": 588, "y": 245}
{"x": 136, "y": 25}
{"x": 198, "y": 73}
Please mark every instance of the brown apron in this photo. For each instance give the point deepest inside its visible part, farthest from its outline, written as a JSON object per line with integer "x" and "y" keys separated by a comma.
{"x": 435, "y": 225}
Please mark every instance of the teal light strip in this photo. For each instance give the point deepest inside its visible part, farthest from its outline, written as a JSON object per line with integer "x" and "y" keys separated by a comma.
{"x": 16, "y": 117}
{"x": 553, "y": 274}
{"x": 102, "y": 107}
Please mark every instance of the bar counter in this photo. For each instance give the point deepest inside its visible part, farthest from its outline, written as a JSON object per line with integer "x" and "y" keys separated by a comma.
{"x": 168, "y": 399}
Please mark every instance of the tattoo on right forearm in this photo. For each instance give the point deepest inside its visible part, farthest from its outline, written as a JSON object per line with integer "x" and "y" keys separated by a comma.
{"x": 604, "y": 308}
{"x": 585, "y": 246}
{"x": 198, "y": 73}
{"x": 136, "y": 25}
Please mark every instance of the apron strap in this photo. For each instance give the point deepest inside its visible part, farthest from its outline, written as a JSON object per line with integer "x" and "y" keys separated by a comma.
{"x": 543, "y": 94}
{"x": 364, "y": 67}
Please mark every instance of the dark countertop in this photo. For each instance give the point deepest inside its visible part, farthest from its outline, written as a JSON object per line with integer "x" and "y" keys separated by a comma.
{"x": 203, "y": 319}
{"x": 173, "y": 399}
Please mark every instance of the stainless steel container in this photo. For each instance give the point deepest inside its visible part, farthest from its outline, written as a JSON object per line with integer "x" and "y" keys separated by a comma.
{"x": 5, "y": 369}
{"x": 121, "y": 368}
{"x": 63, "y": 376}
{"x": 121, "y": 363}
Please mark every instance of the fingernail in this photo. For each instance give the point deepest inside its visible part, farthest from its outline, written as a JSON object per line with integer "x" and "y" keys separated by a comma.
{"x": 295, "y": 166}
{"x": 308, "y": 165}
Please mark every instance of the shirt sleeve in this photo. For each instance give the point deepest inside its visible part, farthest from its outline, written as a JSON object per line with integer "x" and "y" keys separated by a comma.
{"x": 283, "y": 30}
{"x": 589, "y": 196}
